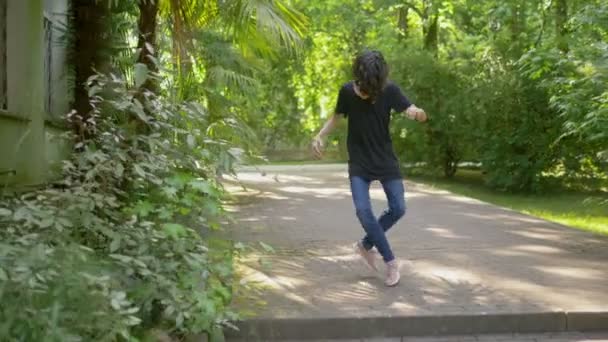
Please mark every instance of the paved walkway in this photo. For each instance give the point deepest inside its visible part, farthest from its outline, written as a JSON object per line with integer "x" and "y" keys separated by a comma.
{"x": 461, "y": 257}
{"x": 549, "y": 337}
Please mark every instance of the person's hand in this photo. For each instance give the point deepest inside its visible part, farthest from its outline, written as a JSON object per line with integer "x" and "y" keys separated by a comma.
{"x": 420, "y": 115}
{"x": 417, "y": 114}
{"x": 317, "y": 146}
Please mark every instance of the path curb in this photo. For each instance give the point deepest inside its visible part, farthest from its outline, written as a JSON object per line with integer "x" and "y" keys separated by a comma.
{"x": 398, "y": 326}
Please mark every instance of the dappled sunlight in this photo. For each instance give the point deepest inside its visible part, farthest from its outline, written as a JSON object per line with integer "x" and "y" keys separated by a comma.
{"x": 341, "y": 258}
{"x": 362, "y": 291}
{"x": 288, "y": 218}
{"x": 508, "y": 252}
{"x": 402, "y": 307}
{"x": 316, "y": 191}
{"x": 445, "y": 233}
{"x": 272, "y": 195}
{"x": 434, "y": 270}
{"x": 502, "y": 218}
{"x": 278, "y": 177}
{"x": 465, "y": 255}
{"x": 538, "y": 249}
{"x": 573, "y": 272}
{"x": 251, "y": 219}
{"x": 555, "y": 236}
{"x": 267, "y": 283}
{"x": 427, "y": 190}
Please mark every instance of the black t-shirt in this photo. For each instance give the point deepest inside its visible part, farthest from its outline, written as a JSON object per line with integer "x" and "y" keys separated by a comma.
{"x": 370, "y": 148}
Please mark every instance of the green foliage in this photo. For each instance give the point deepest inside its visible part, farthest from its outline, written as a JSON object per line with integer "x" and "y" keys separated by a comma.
{"x": 518, "y": 86}
{"x": 511, "y": 111}
{"x": 120, "y": 247}
{"x": 115, "y": 248}
{"x": 576, "y": 84}
{"x": 441, "y": 87}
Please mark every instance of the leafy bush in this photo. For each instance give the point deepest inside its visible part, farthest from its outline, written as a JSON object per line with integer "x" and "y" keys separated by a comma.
{"x": 575, "y": 83}
{"x": 516, "y": 128}
{"x": 440, "y": 89}
{"x": 111, "y": 251}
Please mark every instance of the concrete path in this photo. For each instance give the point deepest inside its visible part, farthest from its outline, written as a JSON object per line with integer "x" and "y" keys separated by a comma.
{"x": 547, "y": 337}
{"x": 468, "y": 267}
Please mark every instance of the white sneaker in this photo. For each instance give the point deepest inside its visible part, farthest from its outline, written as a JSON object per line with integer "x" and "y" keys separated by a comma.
{"x": 392, "y": 273}
{"x": 368, "y": 256}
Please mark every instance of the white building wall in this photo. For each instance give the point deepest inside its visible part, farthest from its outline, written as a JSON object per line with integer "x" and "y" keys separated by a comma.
{"x": 56, "y": 11}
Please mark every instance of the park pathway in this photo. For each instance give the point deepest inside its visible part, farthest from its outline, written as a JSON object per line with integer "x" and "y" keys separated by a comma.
{"x": 467, "y": 267}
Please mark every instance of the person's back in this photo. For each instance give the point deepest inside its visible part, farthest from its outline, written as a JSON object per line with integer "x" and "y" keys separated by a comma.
{"x": 367, "y": 103}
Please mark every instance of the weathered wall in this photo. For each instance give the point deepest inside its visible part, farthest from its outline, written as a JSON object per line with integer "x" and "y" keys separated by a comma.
{"x": 27, "y": 143}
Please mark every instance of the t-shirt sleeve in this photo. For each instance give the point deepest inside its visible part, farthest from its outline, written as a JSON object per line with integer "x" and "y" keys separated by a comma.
{"x": 399, "y": 102}
{"x": 342, "y": 102}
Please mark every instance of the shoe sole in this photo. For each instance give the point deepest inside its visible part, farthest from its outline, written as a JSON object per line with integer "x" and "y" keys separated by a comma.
{"x": 393, "y": 285}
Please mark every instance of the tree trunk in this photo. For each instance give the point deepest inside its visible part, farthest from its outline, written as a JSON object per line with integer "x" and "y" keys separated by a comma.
{"x": 146, "y": 43}
{"x": 431, "y": 36}
{"x": 88, "y": 20}
{"x": 517, "y": 26}
{"x": 402, "y": 22}
{"x": 561, "y": 18}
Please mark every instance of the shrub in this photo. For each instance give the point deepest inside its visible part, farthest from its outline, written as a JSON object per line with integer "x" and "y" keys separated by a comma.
{"x": 114, "y": 249}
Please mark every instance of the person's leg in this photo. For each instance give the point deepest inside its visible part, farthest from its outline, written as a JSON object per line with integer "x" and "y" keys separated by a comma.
{"x": 363, "y": 206}
{"x": 395, "y": 194}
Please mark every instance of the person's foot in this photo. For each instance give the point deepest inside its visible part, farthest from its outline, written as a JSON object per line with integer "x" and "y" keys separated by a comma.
{"x": 392, "y": 273}
{"x": 367, "y": 255}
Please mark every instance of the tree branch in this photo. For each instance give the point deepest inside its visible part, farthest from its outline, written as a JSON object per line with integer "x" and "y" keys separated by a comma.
{"x": 543, "y": 23}
{"x": 415, "y": 9}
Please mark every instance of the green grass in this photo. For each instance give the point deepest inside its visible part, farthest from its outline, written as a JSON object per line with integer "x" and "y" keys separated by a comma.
{"x": 582, "y": 210}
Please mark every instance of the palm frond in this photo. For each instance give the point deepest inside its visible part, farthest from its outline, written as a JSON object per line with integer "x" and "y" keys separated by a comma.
{"x": 270, "y": 21}
{"x": 222, "y": 77}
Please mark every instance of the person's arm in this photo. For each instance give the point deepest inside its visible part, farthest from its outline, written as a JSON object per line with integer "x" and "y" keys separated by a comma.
{"x": 401, "y": 104}
{"x": 318, "y": 140}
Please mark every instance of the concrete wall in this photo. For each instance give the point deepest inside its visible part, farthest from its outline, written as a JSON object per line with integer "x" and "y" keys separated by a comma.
{"x": 27, "y": 142}
{"x": 56, "y": 11}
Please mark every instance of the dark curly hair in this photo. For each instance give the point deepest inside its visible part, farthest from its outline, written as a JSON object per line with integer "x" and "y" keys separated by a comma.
{"x": 370, "y": 72}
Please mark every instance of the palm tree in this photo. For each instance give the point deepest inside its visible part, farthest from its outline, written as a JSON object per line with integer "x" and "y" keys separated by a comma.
{"x": 206, "y": 29}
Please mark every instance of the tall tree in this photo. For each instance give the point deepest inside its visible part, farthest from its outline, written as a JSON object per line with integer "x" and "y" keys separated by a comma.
{"x": 428, "y": 11}
{"x": 88, "y": 22}
{"x": 561, "y": 19}
{"x": 146, "y": 42}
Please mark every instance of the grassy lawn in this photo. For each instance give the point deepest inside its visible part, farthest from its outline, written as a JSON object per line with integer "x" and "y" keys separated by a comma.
{"x": 582, "y": 210}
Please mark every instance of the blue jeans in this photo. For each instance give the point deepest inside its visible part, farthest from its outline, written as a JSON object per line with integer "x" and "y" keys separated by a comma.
{"x": 376, "y": 228}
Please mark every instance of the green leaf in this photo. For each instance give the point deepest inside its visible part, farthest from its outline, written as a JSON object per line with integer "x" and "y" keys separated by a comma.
{"x": 143, "y": 208}
{"x": 138, "y": 109}
{"x": 5, "y": 212}
{"x": 22, "y": 214}
{"x": 94, "y": 90}
{"x": 47, "y": 222}
{"x": 133, "y": 320}
{"x": 202, "y": 186}
{"x": 139, "y": 170}
{"x": 174, "y": 230}
{"x": 141, "y": 74}
{"x": 115, "y": 245}
{"x": 119, "y": 170}
{"x": 191, "y": 141}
